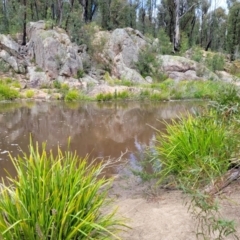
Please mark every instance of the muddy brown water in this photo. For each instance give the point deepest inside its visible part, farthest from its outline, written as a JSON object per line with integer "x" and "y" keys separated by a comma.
{"x": 101, "y": 130}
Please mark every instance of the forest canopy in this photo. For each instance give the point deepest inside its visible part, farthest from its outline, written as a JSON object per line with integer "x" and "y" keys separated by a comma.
{"x": 184, "y": 23}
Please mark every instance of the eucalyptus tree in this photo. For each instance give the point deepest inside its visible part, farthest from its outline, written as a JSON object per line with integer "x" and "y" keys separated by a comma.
{"x": 233, "y": 31}
{"x": 89, "y": 9}
{"x": 177, "y": 16}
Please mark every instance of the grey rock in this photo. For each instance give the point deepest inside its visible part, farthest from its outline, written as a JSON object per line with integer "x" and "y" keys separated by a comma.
{"x": 181, "y": 68}
{"x": 52, "y": 50}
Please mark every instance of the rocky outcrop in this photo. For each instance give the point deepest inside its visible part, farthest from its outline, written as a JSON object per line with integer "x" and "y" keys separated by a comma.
{"x": 181, "y": 68}
{"x": 50, "y": 55}
{"x": 226, "y": 77}
{"x": 52, "y": 50}
{"x": 12, "y": 54}
{"x": 121, "y": 51}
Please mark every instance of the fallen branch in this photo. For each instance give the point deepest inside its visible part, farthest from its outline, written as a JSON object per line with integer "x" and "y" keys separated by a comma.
{"x": 222, "y": 182}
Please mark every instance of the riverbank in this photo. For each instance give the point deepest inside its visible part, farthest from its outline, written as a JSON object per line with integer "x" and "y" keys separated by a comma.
{"x": 154, "y": 213}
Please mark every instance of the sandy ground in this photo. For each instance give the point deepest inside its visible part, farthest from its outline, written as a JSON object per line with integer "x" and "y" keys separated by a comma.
{"x": 158, "y": 214}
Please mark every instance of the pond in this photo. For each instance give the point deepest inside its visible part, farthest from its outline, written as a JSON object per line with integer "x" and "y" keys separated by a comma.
{"x": 98, "y": 129}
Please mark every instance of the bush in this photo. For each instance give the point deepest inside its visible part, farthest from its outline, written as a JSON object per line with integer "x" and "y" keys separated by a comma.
{"x": 58, "y": 197}
{"x": 57, "y": 84}
{"x": 215, "y": 62}
{"x": 72, "y": 95}
{"x": 195, "y": 150}
{"x": 165, "y": 45}
{"x": 7, "y": 93}
{"x": 197, "y": 54}
{"x": 29, "y": 93}
{"x": 80, "y": 73}
{"x": 149, "y": 65}
{"x": 104, "y": 97}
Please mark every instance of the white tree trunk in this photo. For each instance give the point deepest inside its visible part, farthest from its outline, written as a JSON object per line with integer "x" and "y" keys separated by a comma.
{"x": 177, "y": 27}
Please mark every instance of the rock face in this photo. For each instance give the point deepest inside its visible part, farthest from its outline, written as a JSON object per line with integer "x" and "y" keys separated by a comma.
{"x": 52, "y": 50}
{"x": 11, "y": 53}
{"x": 50, "y": 55}
{"x": 121, "y": 52}
{"x": 180, "y": 68}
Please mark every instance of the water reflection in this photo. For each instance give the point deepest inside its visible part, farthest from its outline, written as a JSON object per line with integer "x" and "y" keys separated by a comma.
{"x": 96, "y": 129}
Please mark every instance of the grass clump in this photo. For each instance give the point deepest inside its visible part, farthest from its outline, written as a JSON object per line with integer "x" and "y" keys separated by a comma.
{"x": 29, "y": 93}
{"x": 72, "y": 95}
{"x": 56, "y": 197}
{"x": 195, "y": 153}
{"x": 7, "y": 93}
{"x": 122, "y": 95}
{"x": 195, "y": 149}
{"x": 104, "y": 97}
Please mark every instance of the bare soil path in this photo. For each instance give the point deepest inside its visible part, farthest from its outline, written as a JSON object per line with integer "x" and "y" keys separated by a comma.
{"x": 158, "y": 214}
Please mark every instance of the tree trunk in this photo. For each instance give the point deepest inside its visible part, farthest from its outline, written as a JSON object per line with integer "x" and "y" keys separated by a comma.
{"x": 60, "y": 12}
{"x": 36, "y": 9}
{"x": 68, "y": 16}
{"x": 24, "y": 39}
{"x": 6, "y": 25}
{"x": 177, "y": 27}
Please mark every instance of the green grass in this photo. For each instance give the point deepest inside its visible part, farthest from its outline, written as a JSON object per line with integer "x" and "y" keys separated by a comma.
{"x": 7, "y": 93}
{"x": 195, "y": 150}
{"x": 29, "y": 93}
{"x": 56, "y": 197}
{"x": 72, "y": 95}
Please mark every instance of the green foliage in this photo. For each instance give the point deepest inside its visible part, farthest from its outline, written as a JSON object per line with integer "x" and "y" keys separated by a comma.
{"x": 104, "y": 97}
{"x": 122, "y": 95}
{"x": 4, "y": 67}
{"x": 57, "y": 196}
{"x": 6, "y": 92}
{"x": 80, "y": 73}
{"x": 64, "y": 87}
{"x": 215, "y": 62}
{"x": 195, "y": 149}
{"x": 165, "y": 45}
{"x": 72, "y": 95}
{"x": 57, "y": 84}
{"x": 184, "y": 45}
{"x": 210, "y": 222}
{"x": 29, "y": 93}
{"x": 197, "y": 54}
{"x": 149, "y": 65}
{"x": 227, "y": 102}
{"x": 233, "y": 32}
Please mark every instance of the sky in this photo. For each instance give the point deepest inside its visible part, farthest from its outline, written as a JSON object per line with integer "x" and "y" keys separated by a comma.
{"x": 221, "y": 3}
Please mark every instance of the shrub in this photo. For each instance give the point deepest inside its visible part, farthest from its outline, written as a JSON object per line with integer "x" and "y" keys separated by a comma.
{"x": 104, "y": 97}
{"x": 29, "y": 93}
{"x": 72, "y": 95}
{"x": 80, "y": 73}
{"x": 165, "y": 45}
{"x": 149, "y": 64}
{"x": 57, "y": 84}
{"x": 215, "y": 62}
{"x": 195, "y": 149}
{"x": 58, "y": 197}
{"x": 197, "y": 54}
{"x": 123, "y": 95}
{"x": 7, "y": 93}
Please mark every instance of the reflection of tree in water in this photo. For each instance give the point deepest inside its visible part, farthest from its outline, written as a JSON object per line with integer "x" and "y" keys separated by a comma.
{"x": 144, "y": 154}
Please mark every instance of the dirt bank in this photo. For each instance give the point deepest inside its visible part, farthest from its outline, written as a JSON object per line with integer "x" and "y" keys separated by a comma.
{"x": 158, "y": 214}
